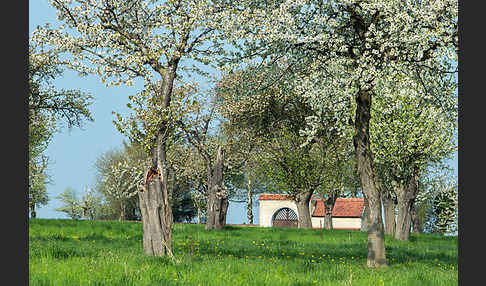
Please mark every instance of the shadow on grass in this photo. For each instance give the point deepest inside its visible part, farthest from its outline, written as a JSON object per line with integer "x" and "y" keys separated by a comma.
{"x": 402, "y": 255}
{"x": 283, "y": 249}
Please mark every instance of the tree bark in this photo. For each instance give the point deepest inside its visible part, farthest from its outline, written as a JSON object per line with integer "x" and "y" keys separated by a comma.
{"x": 198, "y": 221}
{"x": 327, "y": 218}
{"x": 250, "y": 203}
{"x": 405, "y": 198}
{"x": 155, "y": 228}
{"x": 417, "y": 224}
{"x": 122, "y": 211}
{"x": 404, "y": 218}
{"x": 217, "y": 203}
{"x": 154, "y": 195}
{"x": 389, "y": 207}
{"x": 33, "y": 214}
{"x": 302, "y": 200}
{"x": 328, "y": 206}
{"x": 376, "y": 235}
{"x": 365, "y": 217}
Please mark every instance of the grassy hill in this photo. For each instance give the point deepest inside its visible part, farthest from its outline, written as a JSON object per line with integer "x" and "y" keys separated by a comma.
{"x": 65, "y": 252}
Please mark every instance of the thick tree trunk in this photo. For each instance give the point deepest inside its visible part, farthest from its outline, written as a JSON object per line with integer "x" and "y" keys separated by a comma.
{"x": 302, "y": 200}
{"x": 405, "y": 198}
{"x": 156, "y": 216}
{"x": 155, "y": 206}
{"x": 250, "y": 203}
{"x": 376, "y": 234}
{"x": 217, "y": 203}
{"x": 328, "y": 206}
{"x": 154, "y": 196}
{"x": 404, "y": 218}
{"x": 417, "y": 224}
{"x": 156, "y": 227}
{"x": 389, "y": 207}
{"x": 327, "y": 220}
{"x": 365, "y": 217}
{"x": 217, "y": 209}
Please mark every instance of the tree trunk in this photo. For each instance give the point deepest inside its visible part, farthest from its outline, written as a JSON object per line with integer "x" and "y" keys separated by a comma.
{"x": 389, "y": 207}
{"x": 122, "y": 211}
{"x": 327, "y": 220}
{"x": 154, "y": 196}
{"x": 250, "y": 202}
{"x": 33, "y": 214}
{"x": 198, "y": 221}
{"x": 404, "y": 218}
{"x": 217, "y": 203}
{"x": 417, "y": 224}
{"x": 155, "y": 207}
{"x": 84, "y": 213}
{"x": 328, "y": 206}
{"x": 156, "y": 229}
{"x": 302, "y": 200}
{"x": 376, "y": 235}
{"x": 405, "y": 199}
{"x": 365, "y": 217}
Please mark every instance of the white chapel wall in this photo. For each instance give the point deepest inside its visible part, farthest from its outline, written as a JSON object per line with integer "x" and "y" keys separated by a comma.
{"x": 269, "y": 207}
{"x": 317, "y": 222}
{"x": 346, "y": 222}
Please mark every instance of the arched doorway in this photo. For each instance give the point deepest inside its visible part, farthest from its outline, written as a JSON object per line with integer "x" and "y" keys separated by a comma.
{"x": 284, "y": 217}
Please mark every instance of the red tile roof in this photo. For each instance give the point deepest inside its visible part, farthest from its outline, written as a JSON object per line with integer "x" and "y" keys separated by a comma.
{"x": 348, "y": 207}
{"x": 319, "y": 210}
{"x": 275, "y": 197}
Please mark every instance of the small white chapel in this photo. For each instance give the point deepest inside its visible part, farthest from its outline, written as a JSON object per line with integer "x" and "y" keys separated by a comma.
{"x": 279, "y": 210}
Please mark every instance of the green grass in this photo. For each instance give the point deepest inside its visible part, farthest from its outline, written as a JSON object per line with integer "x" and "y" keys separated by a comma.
{"x": 65, "y": 252}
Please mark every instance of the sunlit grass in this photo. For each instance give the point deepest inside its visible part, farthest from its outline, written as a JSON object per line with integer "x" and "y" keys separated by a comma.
{"x": 65, "y": 252}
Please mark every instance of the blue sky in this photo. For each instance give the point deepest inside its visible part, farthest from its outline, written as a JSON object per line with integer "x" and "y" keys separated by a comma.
{"x": 73, "y": 152}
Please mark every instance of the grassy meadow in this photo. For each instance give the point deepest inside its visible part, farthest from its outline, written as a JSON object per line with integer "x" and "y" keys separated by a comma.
{"x": 66, "y": 252}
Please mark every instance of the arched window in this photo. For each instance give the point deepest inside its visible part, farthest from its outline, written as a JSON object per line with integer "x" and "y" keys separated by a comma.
{"x": 284, "y": 217}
